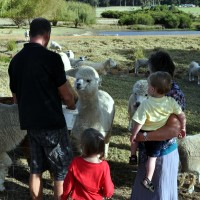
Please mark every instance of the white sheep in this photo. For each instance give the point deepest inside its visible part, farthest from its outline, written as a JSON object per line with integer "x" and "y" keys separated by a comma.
{"x": 70, "y": 54}
{"x": 194, "y": 70}
{"x": 55, "y": 46}
{"x": 75, "y": 61}
{"x": 100, "y": 67}
{"x": 189, "y": 152}
{"x": 26, "y": 35}
{"x": 66, "y": 61}
{"x": 10, "y": 136}
{"x": 140, "y": 62}
{"x": 139, "y": 93}
{"x": 95, "y": 108}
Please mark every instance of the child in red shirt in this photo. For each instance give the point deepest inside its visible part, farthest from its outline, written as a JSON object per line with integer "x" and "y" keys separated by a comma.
{"x": 88, "y": 176}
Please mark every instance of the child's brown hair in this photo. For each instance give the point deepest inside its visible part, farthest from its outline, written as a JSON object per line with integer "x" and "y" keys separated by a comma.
{"x": 92, "y": 142}
{"x": 161, "y": 81}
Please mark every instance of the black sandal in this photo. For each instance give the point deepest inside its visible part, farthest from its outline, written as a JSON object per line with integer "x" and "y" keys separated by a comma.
{"x": 148, "y": 184}
{"x": 133, "y": 160}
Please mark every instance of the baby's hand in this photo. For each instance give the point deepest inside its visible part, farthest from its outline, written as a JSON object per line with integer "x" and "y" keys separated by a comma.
{"x": 132, "y": 138}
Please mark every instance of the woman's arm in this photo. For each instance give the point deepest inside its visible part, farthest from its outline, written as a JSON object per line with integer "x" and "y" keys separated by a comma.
{"x": 171, "y": 129}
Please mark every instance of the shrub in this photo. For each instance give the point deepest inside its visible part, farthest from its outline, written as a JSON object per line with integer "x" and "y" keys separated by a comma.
{"x": 171, "y": 21}
{"x": 11, "y": 45}
{"x": 112, "y": 14}
{"x": 138, "y": 18}
{"x": 197, "y": 27}
{"x": 159, "y": 17}
{"x": 184, "y": 21}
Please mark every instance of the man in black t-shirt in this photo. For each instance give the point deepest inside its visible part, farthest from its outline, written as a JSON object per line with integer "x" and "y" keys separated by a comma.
{"x": 39, "y": 86}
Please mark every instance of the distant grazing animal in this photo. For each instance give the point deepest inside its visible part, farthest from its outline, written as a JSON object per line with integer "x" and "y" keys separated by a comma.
{"x": 66, "y": 61}
{"x": 139, "y": 63}
{"x": 139, "y": 94}
{"x": 70, "y": 54}
{"x": 26, "y": 35}
{"x": 55, "y": 46}
{"x": 95, "y": 108}
{"x": 194, "y": 70}
{"x": 101, "y": 67}
{"x": 74, "y": 61}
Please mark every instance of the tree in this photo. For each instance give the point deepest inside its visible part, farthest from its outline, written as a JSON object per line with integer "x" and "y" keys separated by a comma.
{"x": 21, "y": 10}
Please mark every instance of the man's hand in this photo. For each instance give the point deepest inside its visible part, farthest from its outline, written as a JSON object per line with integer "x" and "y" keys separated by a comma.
{"x": 182, "y": 134}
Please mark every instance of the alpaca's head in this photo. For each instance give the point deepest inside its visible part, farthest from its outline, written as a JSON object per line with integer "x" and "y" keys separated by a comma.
{"x": 87, "y": 80}
{"x": 140, "y": 92}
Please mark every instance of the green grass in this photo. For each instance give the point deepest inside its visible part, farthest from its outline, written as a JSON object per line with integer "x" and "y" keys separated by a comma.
{"x": 183, "y": 50}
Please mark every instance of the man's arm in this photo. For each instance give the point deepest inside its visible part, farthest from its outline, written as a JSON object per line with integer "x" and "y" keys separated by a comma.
{"x": 171, "y": 129}
{"x": 67, "y": 96}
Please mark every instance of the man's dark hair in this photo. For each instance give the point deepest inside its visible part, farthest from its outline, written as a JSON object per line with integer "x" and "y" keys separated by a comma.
{"x": 39, "y": 26}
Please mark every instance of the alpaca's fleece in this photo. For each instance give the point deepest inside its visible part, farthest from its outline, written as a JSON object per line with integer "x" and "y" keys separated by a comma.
{"x": 10, "y": 136}
{"x": 70, "y": 54}
{"x": 189, "y": 152}
{"x": 139, "y": 93}
{"x": 96, "y": 107}
{"x": 74, "y": 61}
{"x": 194, "y": 70}
{"x": 55, "y": 46}
{"x": 66, "y": 61}
{"x": 5, "y": 163}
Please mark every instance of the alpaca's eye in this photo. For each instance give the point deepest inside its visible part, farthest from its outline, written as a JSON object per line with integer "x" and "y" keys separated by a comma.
{"x": 146, "y": 95}
{"x": 88, "y": 80}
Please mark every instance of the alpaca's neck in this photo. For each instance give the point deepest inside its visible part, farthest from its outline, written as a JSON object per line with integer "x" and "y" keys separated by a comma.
{"x": 89, "y": 101}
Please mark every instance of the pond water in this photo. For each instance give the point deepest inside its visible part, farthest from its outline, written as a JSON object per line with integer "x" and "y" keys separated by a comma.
{"x": 137, "y": 33}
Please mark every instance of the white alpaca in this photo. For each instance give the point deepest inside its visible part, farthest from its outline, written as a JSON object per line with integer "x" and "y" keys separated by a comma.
{"x": 189, "y": 152}
{"x": 95, "y": 107}
{"x": 66, "y": 61}
{"x": 100, "y": 67}
{"x": 55, "y": 46}
{"x": 194, "y": 70}
{"x": 10, "y": 136}
{"x": 70, "y": 54}
{"x": 139, "y": 93}
{"x": 140, "y": 62}
{"x": 74, "y": 61}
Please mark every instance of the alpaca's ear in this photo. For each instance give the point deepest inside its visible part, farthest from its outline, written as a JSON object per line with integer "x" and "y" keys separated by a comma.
{"x": 99, "y": 80}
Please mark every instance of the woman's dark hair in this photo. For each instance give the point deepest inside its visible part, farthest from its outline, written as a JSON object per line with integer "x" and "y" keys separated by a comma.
{"x": 161, "y": 61}
{"x": 161, "y": 81}
{"x": 92, "y": 142}
{"x": 40, "y": 26}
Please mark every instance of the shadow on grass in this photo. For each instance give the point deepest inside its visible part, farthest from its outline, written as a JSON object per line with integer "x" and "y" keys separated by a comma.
{"x": 119, "y": 130}
{"x": 122, "y": 174}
